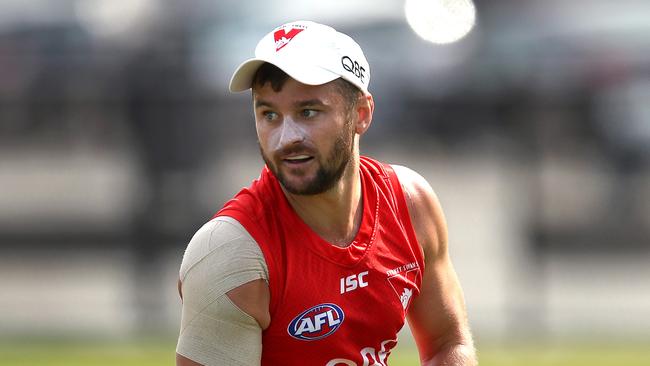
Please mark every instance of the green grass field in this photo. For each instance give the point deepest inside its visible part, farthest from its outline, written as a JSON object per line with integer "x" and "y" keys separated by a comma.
{"x": 150, "y": 353}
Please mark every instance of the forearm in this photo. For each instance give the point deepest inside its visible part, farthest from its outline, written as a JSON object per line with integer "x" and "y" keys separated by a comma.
{"x": 456, "y": 354}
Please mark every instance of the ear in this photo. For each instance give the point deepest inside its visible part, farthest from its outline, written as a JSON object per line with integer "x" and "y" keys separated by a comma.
{"x": 365, "y": 108}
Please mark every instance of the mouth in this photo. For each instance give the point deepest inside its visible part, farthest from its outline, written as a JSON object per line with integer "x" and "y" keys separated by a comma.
{"x": 297, "y": 160}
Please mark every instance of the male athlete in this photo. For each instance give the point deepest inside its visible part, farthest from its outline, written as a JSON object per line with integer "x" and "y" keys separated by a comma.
{"x": 324, "y": 256}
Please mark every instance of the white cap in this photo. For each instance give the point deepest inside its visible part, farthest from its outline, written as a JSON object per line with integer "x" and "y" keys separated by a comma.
{"x": 310, "y": 53}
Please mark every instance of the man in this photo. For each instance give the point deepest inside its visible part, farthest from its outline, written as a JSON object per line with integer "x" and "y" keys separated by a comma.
{"x": 321, "y": 259}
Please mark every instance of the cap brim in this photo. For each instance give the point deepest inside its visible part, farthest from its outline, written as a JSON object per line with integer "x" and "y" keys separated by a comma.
{"x": 242, "y": 78}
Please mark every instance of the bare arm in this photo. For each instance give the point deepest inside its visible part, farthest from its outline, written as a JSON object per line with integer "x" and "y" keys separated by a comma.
{"x": 184, "y": 361}
{"x": 437, "y": 317}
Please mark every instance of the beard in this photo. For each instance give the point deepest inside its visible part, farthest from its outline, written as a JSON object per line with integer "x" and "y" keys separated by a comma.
{"x": 329, "y": 172}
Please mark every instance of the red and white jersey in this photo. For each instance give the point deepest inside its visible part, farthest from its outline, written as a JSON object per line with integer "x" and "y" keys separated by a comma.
{"x": 332, "y": 305}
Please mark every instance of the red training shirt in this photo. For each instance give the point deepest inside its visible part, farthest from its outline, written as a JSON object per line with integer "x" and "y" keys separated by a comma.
{"x": 332, "y": 305}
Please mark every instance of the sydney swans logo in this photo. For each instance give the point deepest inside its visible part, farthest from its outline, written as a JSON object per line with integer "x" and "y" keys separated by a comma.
{"x": 404, "y": 280}
{"x": 282, "y": 37}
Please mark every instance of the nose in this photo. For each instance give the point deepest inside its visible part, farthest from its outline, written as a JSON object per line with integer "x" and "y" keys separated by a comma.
{"x": 290, "y": 133}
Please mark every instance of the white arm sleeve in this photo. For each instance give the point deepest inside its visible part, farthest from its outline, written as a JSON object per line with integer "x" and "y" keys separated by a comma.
{"x": 220, "y": 257}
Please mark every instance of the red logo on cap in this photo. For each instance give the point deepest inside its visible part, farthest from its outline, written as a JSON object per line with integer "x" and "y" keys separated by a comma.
{"x": 282, "y": 38}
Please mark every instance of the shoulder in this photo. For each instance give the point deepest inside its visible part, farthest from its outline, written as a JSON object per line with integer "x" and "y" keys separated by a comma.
{"x": 223, "y": 248}
{"x": 412, "y": 182}
{"x": 425, "y": 211}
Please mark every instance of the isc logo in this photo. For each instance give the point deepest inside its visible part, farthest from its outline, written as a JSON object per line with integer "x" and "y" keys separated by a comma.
{"x": 316, "y": 322}
{"x": 353, "y": 282}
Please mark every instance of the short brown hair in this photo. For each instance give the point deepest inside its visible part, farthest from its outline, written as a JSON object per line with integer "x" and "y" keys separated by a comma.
{"x": 269, "y": 73}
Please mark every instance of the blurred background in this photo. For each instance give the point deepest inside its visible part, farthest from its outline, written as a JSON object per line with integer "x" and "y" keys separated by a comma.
{"x": 119, "y": 139}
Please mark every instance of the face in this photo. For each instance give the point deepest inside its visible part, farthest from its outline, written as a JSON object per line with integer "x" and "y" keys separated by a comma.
{"x": 305, "y": 135}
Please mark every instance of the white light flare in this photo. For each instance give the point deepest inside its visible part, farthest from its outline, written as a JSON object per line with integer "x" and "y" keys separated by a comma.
{"x": 440, "y": 21}
{"x": 115, "y": 18}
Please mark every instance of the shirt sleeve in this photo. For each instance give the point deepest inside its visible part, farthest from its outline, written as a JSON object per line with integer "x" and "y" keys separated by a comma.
{"x": 214, "y": 331}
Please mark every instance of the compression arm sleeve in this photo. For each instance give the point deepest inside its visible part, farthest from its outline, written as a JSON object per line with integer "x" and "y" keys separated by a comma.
{"x": 220, "y": 257}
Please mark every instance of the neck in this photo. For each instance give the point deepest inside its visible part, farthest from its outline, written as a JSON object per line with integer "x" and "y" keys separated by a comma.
{"x": 335, "y": 215}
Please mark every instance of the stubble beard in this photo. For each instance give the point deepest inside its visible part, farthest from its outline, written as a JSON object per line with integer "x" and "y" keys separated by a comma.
{"x": 329, "y": 171}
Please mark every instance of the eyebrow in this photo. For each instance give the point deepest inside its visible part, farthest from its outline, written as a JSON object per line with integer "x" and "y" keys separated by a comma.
{"x": 262, "y": 103}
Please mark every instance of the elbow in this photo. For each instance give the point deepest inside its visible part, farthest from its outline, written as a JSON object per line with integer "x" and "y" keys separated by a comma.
{"x": 459, "y": 353}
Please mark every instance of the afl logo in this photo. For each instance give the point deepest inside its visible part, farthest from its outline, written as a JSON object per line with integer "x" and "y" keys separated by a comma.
{"x": 316, "y": 322}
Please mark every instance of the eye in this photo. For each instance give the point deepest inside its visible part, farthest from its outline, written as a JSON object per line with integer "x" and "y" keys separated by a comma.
{"x": 308, "y": 113}
{"x": 270, "y": 116}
